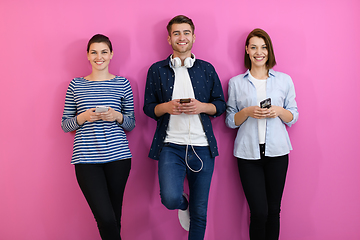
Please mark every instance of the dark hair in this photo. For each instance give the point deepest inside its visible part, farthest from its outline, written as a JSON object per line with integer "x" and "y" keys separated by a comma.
{"x": 257, "y": 32}
{"x": 99, "y": 38}
{"x": 178, "y": 20}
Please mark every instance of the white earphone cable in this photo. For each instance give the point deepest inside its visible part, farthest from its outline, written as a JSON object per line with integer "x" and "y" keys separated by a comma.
{"x": 186, "y": 153}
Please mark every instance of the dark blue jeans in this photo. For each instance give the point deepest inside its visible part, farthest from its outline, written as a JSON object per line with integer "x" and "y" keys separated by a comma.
{"x": 263, "y": 182}
{"x": 172, "y": 172}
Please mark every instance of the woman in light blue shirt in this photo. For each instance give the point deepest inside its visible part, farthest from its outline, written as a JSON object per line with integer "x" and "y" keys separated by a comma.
{"x": 261, "y": 102}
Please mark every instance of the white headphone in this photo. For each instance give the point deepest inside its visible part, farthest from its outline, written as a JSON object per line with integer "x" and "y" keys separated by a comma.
{"x": 188, "y": 62}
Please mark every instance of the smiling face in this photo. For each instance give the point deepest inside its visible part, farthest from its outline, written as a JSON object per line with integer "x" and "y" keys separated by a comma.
{"x": 181, "y": 39}
{"x": 258, "y": 52}
{"x": 99, "y": 55}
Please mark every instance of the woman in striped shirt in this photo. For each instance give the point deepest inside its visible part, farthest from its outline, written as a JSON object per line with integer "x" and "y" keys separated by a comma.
{"x": 99, "y": 107}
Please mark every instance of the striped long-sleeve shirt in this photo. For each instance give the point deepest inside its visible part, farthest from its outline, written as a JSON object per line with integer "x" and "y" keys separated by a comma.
{"x": 99, "y": 141}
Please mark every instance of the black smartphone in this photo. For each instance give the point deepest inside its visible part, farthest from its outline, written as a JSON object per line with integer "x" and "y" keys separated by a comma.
{"x": 266, "y": 103}
{"x": 185, "y": 100}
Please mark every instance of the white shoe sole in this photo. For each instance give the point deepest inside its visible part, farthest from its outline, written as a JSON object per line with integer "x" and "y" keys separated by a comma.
{"x": 184, "y": 215}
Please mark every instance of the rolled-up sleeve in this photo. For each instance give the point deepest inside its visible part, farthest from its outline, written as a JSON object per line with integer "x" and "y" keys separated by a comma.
{"x": 127, "y": 108}
{"x": 290, "y": 103}
{"x": 217, "y": 96}
{"x": 150, "y": 99}
{"x": 69, "y": 121}
{"x": 232, "y": 108}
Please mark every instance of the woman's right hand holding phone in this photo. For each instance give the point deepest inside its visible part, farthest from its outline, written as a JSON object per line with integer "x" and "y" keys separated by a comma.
{"x": 88, "y": 116}
{"x": 253, "y": 111}
{"x": 257, "y": 112}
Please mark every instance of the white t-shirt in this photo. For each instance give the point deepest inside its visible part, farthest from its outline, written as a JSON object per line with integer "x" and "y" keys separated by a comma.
{"x": 185, "y": 129}
{"x": 260, "y": 86}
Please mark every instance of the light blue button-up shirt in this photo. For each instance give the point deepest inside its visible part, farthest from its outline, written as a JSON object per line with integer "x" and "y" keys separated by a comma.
{"x": 242, "y": 94}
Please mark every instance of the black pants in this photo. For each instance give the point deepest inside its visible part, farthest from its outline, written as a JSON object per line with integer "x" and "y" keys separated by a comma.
{"x": 263, "y": 183}
{"x": 103, "y": 186}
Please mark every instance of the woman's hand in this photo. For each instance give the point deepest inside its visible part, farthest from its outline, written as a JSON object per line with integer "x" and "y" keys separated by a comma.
{"x": 261, "y": 113}
{"x": 282, "y": 113}
{"x": 253, "y": 111}
{"x": 111, "y": 115}
{"x": 257, "y": 112}
{"x": 275, "y": 111}
{"x": 91, "y": 116}
{"x": 88, "y": 116}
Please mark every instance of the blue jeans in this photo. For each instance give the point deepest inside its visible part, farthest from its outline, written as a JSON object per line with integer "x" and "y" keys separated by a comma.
{"x": 172, "y": 172}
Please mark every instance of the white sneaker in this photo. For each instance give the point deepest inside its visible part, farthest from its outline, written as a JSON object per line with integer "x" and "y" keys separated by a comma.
{"x": 184, "y": 215}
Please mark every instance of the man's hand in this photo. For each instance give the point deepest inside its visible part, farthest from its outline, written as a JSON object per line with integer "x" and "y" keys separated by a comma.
{"x": 197, "y": 107}
{"x": 171, "y": 107}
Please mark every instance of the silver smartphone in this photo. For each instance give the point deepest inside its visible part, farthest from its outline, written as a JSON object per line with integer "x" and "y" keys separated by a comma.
{"x": 100, "y": 109}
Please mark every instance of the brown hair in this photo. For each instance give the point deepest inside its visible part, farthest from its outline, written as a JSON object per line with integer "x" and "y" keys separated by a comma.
{"x": 178, "y": 20}
{"x": 99, "y": 38}
{"x": 257, "y": 32}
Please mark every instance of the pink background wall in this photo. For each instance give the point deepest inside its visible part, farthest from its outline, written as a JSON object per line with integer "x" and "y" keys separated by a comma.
{"x": 42, "y": 47}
